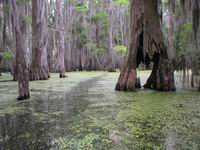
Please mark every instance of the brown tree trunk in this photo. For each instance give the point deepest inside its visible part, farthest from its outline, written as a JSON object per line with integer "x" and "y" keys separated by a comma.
{"x": 171, "y": 27}
{"x": 21, "y": 51}
{"x": 154, "y": 42}
{"x": 111, "y": 64}
{"x": 127, "y": 78}
{"x": 1, "y": 23}
{"x": 2, "y": 30}
{"x": 60, "y": 62}
{"x": 68, "y": 44}
{"x": 39, "y": 67}
{"x": 146, "y": 41}
{"x": 196, "y": 27}
{"x": 1, "y": 60}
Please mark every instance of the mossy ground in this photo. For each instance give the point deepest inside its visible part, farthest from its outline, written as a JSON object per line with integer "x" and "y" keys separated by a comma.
{"x": 84, "y": 112}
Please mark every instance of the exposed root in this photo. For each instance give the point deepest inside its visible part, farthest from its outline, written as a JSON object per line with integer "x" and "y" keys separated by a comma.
{"x": 138, "y": 84}
{"x": 39, "y": 74}
{"x": 20, "y": 98}
{"x": 62, "y": 75}
{"x": 162, "y": 77}
{"x": 111, "y": 70}
{"x": 126, "y": 81}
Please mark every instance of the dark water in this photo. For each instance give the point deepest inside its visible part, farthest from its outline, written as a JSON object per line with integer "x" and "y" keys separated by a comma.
{"x": 39, "y": 121}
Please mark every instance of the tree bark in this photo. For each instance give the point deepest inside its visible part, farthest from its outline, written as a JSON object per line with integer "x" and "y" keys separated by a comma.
{"x": 196, "y": 27}
{"x": 21, "y": 49}
{"x": 1, "y": 23}
{"x": 1, "y": 60}
{"x": 1, "y": 30}
{"x": 39, "y": 67}
{"x": 146, "y": 42}
{"x": 171, "y": 27}
{"x": 60, "y": 61}
{"x": 127, "y": 78}
{"x": 68, "y": 28}
{"x": 111, "y": 65}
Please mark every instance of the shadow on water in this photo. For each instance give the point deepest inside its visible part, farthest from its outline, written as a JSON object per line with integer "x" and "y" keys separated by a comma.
{"x": 37, "y": 122}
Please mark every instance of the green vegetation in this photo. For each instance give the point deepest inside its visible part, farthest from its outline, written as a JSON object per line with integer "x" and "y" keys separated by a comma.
{"x": 23, "y": 1}
{"x": 101, "y": 118}
{"x": 144, "y": 120}
{"x": 11, "y": 110}
{"x": 90, "y": 45}
{"x": 7, "y": 55}
{"x": 183, "y": 38}
{"x": 120, "y": 49}
{"x": 93, "y": 47}
{"x": 81, "y": 8}
{"x": 99, "y": 17}
{"x": 121, "y": 2}
{"x": 157, "y": 120}
{"x": 86, "y": 134}
{"x": 100, "y": 50}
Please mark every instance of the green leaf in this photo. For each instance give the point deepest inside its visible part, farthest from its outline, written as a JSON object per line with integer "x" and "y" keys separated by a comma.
{"x": 120, "y": 49}
{"x": 81, "y": 8}
{"x": 7, "y": 55}
{"x": 121, "y": 2}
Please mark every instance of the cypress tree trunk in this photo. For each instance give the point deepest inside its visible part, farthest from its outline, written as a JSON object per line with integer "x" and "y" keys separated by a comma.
{"x": 127, "y": 78}
{"x": 1, "y": 23}
{"x": 39, "y": 67}
{"x": 146, "y": 44}
{"x": 21, "y": 49}
{"x": 60, "y": 62}
{"x": 171, "y": 5}
{"x": 1, "y": 59}
{"x": 196, "y": 28}
{"x": 111, "y": 64}
{"x": 68, "y": 44}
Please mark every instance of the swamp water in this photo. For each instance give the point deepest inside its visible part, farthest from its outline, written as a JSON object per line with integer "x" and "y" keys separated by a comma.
{"x": 84, "y": 112}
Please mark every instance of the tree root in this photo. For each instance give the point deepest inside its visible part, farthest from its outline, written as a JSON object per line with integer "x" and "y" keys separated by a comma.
{"x": 62, "y": 75}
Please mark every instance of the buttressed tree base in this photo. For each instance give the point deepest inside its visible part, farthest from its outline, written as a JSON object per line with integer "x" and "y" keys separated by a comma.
{"x": 146, "y": 45}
